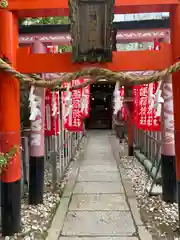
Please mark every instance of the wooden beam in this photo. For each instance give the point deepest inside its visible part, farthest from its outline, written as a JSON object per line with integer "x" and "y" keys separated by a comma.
{"x": 143, "y": 2}
{"x": 147, "y": 25}
{"x": 35, "y": 8}
{"x": 122, "y": 61}
{"x": 122, "y": 36}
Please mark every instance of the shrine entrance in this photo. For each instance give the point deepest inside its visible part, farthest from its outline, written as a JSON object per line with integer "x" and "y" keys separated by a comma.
{"x": 101, "y": 106}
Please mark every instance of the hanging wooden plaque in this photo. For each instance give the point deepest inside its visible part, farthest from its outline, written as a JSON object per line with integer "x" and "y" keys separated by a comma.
{"x": 91, "y": 28}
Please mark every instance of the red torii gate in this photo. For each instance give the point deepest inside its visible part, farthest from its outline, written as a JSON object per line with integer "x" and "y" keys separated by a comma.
{"x": 123, "y": 36}
{"x": 26, "y": 62}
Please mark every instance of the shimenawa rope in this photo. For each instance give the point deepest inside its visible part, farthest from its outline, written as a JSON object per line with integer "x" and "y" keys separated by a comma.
{"x": 95, "y": 74}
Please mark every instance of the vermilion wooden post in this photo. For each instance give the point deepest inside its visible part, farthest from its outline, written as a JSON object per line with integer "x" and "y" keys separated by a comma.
{"x": 128, "y": 101}
{"x": 130, "y": 135}
{"x": 36, "y": 161}
{"x": 10, "y": 126}
{"x": 175, "y": 40}
{"x": 168, "y": 167}
{"x": 168, "y": 159}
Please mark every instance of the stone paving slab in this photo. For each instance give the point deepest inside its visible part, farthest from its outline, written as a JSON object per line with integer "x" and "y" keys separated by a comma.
{"x": 93, "y": 158}
{"x": 98, "y": 223}
{"x": 98, "y": 187}
{"x": 105, "y": 162}
{"x": 101, "y": 151}
{"x": 98, "y": 168}
{"x": 98, "y": 238}
{"x": 103, "y": 202}
{"x": 85, "y": 176}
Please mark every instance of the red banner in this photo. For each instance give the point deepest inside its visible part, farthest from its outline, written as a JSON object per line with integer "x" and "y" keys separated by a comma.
{"x": 73, "y": 121}
{"x": 51, "y": 98}
{"x": 145, "y": 117}
{"x": 86, "y": 95}
{"x": 124, "y": 113}
{"x": 136, "y": 98}
{"x": 52, "y": 49}
{"x": 156, "y": 45}
{"x": 122, "y": 91}
{"x": 51, "y": 120}
{"x": 123, "y": 109}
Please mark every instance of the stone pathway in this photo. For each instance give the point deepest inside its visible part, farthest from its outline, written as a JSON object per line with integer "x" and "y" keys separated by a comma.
{"x": 95, "y": 203}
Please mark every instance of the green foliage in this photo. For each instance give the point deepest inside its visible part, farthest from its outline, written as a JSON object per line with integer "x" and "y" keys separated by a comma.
{"x": 6, "y": 157}
{"x": 44, "y": 20}
{"x": 66, "y": 48}
{"x": 3, "y": 161}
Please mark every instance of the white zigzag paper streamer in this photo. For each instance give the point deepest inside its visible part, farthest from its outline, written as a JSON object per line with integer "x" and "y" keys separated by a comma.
{"x": 155, "y": 100}
{"x": 34, "y": 104}
{"x": 68, "y": 105}
{"x": 54, "y": 105}
{"x": 118, "y": 100}
{"x": 84, "y": 101}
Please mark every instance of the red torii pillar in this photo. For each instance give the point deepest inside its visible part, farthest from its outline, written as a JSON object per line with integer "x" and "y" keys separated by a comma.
{"x": 128, "y": 102}
{"x": 36, "y": 161}
{"x": 175, "y": 40}
{"x": 10, "y": 126}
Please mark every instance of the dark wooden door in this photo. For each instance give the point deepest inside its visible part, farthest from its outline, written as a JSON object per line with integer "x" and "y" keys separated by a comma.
{"x": 101, "y": 108}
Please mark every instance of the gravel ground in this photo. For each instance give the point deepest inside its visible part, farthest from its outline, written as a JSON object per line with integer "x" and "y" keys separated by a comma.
{"x": 161, "y": 218}
{"x": 37, "y": 219}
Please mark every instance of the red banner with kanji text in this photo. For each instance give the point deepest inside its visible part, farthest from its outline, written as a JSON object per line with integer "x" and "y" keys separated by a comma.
{"x": 51, "y": 121}
{"x": 123, "y": 109}
{"x": 145, "y": 117}
{"x": 86, "y": 95}
{"x": 136, "y": 99}
{"x": 73, "y": 121}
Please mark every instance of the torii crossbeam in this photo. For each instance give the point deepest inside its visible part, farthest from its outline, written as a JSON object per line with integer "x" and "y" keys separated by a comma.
{"x": 35, "y": 8}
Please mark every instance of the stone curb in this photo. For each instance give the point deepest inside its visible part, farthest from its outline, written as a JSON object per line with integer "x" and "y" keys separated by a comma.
{"x": 59, "y": 217}
{"x": 147, "y": 164}
{"x": 142, "y": 232}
